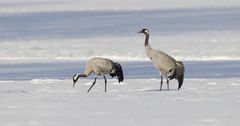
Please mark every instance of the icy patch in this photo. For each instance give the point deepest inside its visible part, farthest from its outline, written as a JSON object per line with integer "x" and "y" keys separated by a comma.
{"x": 14, "y": 106}
{"x": 88, "y": 83}
{"x": 143, "y": 89}
{"x": 113, "y": 91}
{"x": 36, "y": 81}
{"x": 210, "y": 120}
{"x": 44, "y": 89}
{"x": 121, "y": 96}
{"x": 212, "y": 83}
{"x": 13, "y": 91}
{"x": 234, "y": 84}
{"x": 34, "y": 123}
{"x": 100, "y": 113}
{"x": 122, "y": 83}
{"x": 72, "y": 91}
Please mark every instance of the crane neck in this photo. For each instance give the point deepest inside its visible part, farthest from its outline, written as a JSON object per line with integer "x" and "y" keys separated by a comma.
{"x": 146, "y": 39}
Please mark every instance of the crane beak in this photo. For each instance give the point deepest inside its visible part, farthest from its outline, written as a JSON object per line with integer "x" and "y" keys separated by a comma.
{"x": 73, "y": 84}
{"x": 140, "y": 32}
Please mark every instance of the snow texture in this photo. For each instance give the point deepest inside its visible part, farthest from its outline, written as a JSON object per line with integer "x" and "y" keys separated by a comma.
{"x": 30, "y": 6}
{"x": 136, "y": 102}
{"x": 207, "y": 34}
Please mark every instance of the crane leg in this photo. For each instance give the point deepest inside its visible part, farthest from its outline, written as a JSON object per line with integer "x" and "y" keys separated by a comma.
{"x": 167, "y": 84}
{"x": 161, "y": 82}
{"x": 105, "y": 83}
{"x": 92, "y": 84}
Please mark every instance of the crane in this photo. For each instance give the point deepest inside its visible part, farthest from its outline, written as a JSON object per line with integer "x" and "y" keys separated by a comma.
{"x": 164, "y": 63}
{"x": 101, "y": 66}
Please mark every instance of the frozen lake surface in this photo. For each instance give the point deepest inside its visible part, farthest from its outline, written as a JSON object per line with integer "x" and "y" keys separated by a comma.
{"x": 185, "y": 34}
{"x": 87, "y": 24}
{"x": 132, "y": 70}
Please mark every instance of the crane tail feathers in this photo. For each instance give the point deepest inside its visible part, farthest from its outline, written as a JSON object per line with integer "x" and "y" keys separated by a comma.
{"x": 180, "y": 73}
{"x": 180, "y": 81}
{"x": 119, "y": 72}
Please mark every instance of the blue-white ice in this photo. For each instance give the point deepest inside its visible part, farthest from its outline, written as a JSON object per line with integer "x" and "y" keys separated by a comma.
{"x": 132, "y": 70}
{"x": 186, "y": 34}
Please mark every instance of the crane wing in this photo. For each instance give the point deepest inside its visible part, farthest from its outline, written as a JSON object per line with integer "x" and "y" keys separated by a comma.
{"x": 101, "y": 65}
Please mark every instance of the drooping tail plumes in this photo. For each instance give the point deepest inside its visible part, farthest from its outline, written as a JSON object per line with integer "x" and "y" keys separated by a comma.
{"x": 118, "y": 73}
{"x": 180, "y": 73}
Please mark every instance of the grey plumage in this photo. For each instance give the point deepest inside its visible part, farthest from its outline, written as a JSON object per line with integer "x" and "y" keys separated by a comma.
{"x": 101, "y": 66}
{"x": 166, "y": 64}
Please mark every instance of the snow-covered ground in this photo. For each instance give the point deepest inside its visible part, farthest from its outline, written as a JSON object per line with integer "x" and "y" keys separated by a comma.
{"x": 136, "y": 102}
{"x": 36, "y": 94}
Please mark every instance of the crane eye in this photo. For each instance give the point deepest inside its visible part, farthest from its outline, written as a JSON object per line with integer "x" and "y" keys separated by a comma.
{"x": 146, "y": 31}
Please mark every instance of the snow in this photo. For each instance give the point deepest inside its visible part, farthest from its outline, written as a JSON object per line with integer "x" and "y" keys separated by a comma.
{"x": 82, "y": 49}
{"x": 62, "y": 35}
{"x": 136, "y": 102}
{"x": 29, "y": 6}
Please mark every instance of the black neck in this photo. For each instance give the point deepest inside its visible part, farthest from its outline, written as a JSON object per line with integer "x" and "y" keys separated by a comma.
{"x": 146, "y": 39}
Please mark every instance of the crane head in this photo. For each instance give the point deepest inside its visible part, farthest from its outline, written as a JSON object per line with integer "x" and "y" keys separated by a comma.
{"x": 75, "y": 78}
{"x": 144, "y": 31}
